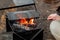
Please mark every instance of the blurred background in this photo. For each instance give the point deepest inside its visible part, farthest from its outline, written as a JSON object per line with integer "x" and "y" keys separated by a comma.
{"x": 44, "y": 7}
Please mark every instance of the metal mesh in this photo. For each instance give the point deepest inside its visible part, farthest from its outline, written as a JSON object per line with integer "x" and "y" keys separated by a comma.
{"x": 22, "y": 14}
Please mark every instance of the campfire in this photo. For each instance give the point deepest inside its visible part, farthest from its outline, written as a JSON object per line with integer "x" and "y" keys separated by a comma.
{"x": 25, "y": 20}
{"x": 26, "y": 23}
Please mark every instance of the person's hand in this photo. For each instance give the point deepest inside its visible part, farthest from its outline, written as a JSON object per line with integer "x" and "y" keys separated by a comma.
{"x": 53, "y": 17}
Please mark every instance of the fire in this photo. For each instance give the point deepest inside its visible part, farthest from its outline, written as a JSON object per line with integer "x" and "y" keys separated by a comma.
{"x": 31, "y": 21}
{"x": 25, "y": 21}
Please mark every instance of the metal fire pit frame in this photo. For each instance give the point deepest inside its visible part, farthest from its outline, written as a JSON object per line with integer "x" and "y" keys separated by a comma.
{"x": 38, "y": 35}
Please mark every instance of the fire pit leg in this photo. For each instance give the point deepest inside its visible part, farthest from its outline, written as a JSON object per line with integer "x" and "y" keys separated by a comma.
{"x": 8, "y": 29}
{"x": 29, "y": 35}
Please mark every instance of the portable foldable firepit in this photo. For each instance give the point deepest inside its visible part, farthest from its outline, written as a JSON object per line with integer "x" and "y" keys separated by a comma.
{"x": 24, "y": 24}
{"x": 23, "y": 20}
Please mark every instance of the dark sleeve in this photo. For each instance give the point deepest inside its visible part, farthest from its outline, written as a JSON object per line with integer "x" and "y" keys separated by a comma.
{"x": 58, "y": 10}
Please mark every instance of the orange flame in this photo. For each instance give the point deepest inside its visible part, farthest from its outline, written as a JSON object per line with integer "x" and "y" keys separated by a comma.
{"x": 31, "y": 21}
{"x": 24, "y": 21}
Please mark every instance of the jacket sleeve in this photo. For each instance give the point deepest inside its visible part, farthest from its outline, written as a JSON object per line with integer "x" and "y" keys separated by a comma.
{"x": 58, "y": 10}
